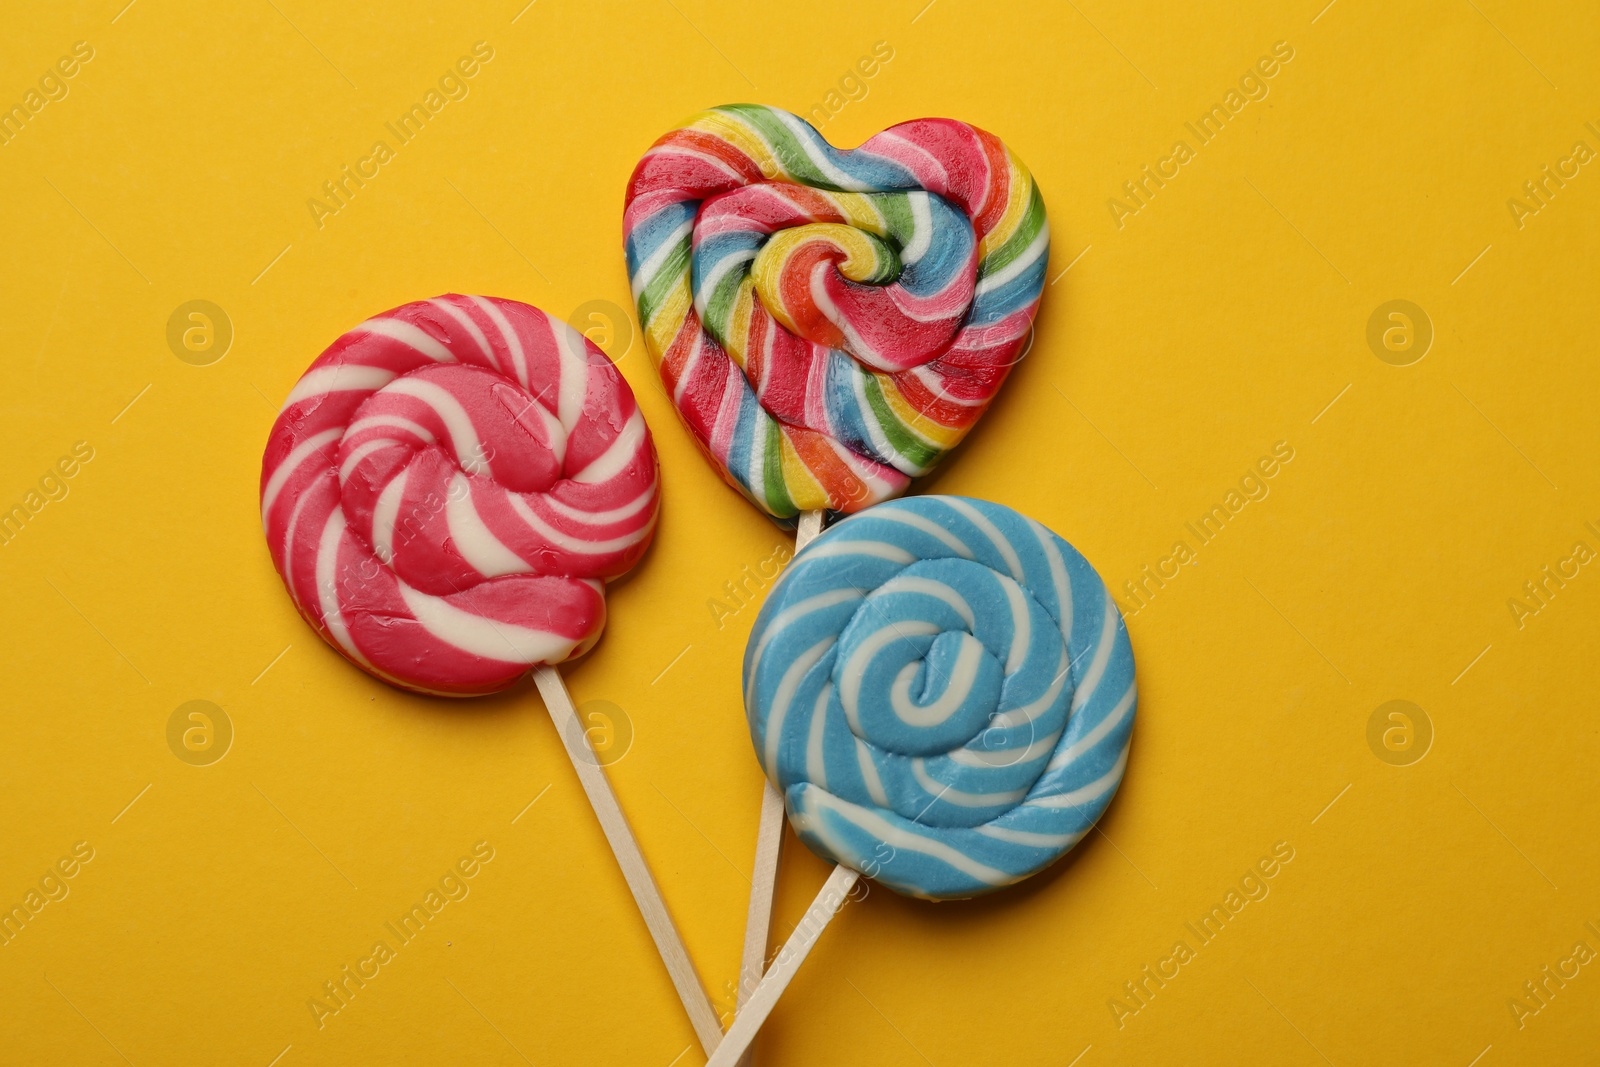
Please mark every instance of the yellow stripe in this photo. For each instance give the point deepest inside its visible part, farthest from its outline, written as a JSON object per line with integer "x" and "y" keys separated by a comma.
{"x": 737, "y": 133}
{"x": 933, "y": 432}
{"x": 669, "y": 316}
{"x": 859, "y": 210}
{"x": 804, "y": 489}
{"x": 1016, "y": 207}
{"x": 738, "y": 345}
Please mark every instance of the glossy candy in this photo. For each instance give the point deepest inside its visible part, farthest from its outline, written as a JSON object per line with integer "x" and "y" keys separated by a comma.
{"x": 943, "y": 692}
{"x": 829, "y": 322}
{"x": 448, "y": 488}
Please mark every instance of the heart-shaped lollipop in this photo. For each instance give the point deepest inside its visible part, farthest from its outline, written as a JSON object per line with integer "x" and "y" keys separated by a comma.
{"x": 830, "y": 322}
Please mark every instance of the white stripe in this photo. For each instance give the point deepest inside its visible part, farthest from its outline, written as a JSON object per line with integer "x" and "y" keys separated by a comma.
{"x": 1090, "y": 739}
{"x": 1085, "y": 794}
{"x": 470, "y": 326}
{"x": 869, "y": 774}
{"x": 905, "y": 583}
{"x": 310, "y": 446}
{"x": 1058, "y": 573}
{"x": 647, "y": 270}
{"x": 922, "y": 235}
{"x": 1090, "y": 680}
{"x": 1025, "y": 261}
{"x": 1021, "y": 626}
{"x": 816, "y": 765}
{"x": 927, "y": 526}
{"x": 482, "y": 636}
{"x": 618, "y": 455}
{"x": 407, "y": 334}
{"x": 1054, "y": 842}
{"x": 568, "y": 542}
{"x": 327, "y": 587}
{"x": 1003, "y": 546}
{"x": 555, "y": 434}
{"x": 384, "y": 514}
{"x": 483, "y": 551}
{"x": 519, "y": 359}
{"x": 398, "y": 422}
{"x": 856, "y": 667}
{"x": 463, "y": 435}
{"x": 574, "y": 383}
{"x": 603, "y": 518}
{"x": 785, "y": 693}
{"x": 807, "y": 137}
{"x": 1003, "y": 757}
{"x": 709, "y": 281}
{"x": 944, "y": 794}
{"x": 353, "y": 460}
{"x": 962, "y": 677}
{"x": 786, "y": 618}
{"x": 875, "y": 825}
{"x": 340, "y": 378}
{"x": 832, "y": 549}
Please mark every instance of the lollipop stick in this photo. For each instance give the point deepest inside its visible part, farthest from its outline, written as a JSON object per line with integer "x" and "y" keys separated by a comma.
{"x": 626, "y": 848}
{"x": 765, "y": 996}
{"x": 758, "y": 921}
{"x": 769, "y": 845}
{"x": 809, "y": 527}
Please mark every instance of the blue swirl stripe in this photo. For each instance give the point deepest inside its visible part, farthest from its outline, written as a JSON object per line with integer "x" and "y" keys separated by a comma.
{"x": 943, "y": 692}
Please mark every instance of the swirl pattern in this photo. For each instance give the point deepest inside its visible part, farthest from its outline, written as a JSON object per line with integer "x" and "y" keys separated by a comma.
{"x": 943, "y": 692}
{"x": 448, "y": 488}
{"x": 829, "y": 323}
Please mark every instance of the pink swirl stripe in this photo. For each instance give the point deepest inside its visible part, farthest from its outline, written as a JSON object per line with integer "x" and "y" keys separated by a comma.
{"x": 448, "y": 488}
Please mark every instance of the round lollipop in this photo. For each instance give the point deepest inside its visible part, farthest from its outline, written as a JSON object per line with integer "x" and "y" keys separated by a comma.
{"x": 942, "y": 691}
{"x": 445, "y": 494}
{"x": 829, "y": 322}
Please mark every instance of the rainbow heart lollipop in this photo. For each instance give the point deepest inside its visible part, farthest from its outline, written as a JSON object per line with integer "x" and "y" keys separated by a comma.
{"x": 830, "y": 322}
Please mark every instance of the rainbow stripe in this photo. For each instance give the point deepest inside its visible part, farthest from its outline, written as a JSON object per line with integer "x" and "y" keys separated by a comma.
{"x": 830, "y": 322}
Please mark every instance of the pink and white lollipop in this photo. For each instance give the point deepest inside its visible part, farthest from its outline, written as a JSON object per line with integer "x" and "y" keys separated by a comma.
{"x": 445, "y": 493}
{"x": 448, "y": 488}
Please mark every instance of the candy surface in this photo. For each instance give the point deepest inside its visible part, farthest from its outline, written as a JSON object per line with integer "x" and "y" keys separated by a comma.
{"x": 943, "y": 692}
{"x": 829, "y": 322}
{"x": 448, "y": 488}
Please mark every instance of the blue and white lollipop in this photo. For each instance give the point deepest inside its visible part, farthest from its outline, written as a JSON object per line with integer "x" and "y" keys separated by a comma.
{"x": 942, "y": 690}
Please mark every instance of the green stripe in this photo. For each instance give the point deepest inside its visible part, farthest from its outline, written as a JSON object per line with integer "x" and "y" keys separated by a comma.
{"x": 719, "y": 309}
{"x": 777, "y": 493}
{"x": 791, "y": 153}
{"x": 1027, "y": 231}
{"x": 673, "y": 269}
{"x": 896, "y": 211}
{"x": 900, "y": 436}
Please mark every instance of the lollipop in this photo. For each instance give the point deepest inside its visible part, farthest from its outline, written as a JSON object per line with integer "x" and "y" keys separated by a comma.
{"x": 942, "y": 691}
{"x": 445, "y": 493}
{"x": 829, "y": 323}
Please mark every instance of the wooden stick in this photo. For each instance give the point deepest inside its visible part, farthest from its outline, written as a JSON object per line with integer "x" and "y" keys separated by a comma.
{"x": 626, "y": 848}
{"x": 763, "y": 882}
{"x": 747, "y": 1023}
{"x": 809, "y": 527}
{"x": 769, "y": 847}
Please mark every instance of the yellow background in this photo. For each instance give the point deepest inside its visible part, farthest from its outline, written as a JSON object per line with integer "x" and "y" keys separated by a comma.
{"x": 1223, "y": 317}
